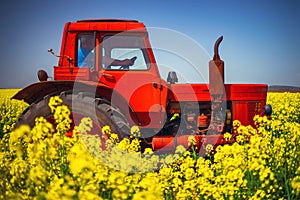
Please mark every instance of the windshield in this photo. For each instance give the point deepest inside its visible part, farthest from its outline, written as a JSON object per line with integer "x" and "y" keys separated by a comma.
{"x": 122, "y": 47}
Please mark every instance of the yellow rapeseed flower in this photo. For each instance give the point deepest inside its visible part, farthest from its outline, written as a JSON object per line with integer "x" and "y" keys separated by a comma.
{"x": 227, "y": 136}
{"x": 209, "y": 148}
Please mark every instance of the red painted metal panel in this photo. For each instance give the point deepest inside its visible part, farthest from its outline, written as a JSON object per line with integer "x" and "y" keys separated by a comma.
{"x": 74, "y": 73}
{"x": 248, "y": 100}
{"x": 248, "y": 92}
{"x": 142, "y": 90}
{"x": 190, "y": 92}
{"x": 244, "y": 111}
{"x": 107, "y": 26}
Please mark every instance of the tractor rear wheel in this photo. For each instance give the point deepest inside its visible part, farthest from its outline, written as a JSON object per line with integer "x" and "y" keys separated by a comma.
{"x": 81, "y": 105}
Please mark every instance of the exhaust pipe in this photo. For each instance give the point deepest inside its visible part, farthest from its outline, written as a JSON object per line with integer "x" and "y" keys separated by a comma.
{"x": 216, "y": 72}
{"x": 217, "y": 91}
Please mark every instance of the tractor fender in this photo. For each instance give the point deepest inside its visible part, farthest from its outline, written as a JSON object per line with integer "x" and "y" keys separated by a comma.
{"x": 37, "y": 91}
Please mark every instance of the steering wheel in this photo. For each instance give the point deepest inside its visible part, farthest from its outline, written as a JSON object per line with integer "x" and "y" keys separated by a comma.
{"x": 127, "y": 66}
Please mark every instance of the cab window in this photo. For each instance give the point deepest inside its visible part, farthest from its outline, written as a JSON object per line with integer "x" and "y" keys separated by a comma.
{"x": 121, "y": 47}
{"x": 86, "y": 50}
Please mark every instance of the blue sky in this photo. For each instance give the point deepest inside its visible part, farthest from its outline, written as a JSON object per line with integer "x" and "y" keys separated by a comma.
{"x": 261, "y": 38}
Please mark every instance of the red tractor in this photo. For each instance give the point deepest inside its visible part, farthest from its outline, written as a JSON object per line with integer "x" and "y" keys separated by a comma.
{"x": 94, "y": 79}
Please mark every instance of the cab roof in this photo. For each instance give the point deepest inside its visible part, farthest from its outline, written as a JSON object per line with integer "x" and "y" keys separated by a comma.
{"x": 106, "y": 20}
{"x": 105, "y": 25}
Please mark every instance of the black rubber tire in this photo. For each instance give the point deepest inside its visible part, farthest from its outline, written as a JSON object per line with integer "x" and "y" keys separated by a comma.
{"x": 99, "y": 110}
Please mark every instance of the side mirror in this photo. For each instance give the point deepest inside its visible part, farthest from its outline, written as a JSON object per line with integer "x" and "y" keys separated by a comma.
{"x": 172, "y": 77}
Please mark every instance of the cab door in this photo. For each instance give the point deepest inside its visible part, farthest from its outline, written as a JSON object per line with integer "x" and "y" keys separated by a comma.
{"x": 140, "y": 83}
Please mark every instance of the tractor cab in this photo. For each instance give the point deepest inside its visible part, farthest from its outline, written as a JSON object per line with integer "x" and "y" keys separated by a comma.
{"x": 118, "y": 55}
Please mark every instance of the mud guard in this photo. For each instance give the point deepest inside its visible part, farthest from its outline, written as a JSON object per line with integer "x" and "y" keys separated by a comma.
{"x": 37, "y": 91}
